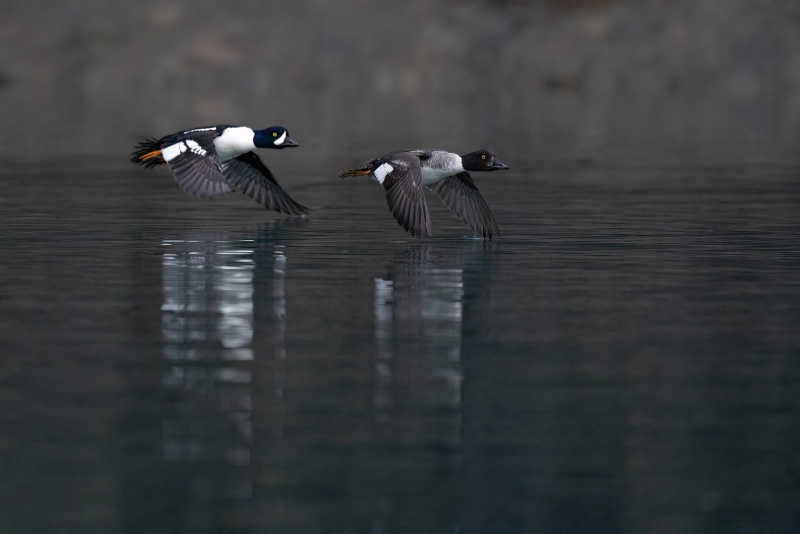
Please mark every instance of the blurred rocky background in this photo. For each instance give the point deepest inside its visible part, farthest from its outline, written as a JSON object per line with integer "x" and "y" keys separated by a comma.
{"x": 539, "y": 81}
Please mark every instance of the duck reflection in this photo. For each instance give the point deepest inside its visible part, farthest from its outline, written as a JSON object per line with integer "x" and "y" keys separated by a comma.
{"x": 418, "y": 311}
{"x": 419, "y": 331}
{"x": 207, "y": 322}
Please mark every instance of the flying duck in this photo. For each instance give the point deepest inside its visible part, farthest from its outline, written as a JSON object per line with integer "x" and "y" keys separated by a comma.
{"x": 213, "y": 160}
{"x": 402, "y": 175}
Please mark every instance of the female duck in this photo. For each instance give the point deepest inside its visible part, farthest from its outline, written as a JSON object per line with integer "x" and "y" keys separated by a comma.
{"x": 402, "y": 175}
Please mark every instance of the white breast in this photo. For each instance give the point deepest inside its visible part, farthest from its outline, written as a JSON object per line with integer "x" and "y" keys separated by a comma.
{"x": 234, "y": 142}
{"x": 439, "y": 166}
{"x": 429, "y": 175}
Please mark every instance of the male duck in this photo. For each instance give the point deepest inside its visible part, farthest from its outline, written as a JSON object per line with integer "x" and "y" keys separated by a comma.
{"x": 211, "y": 161}
{"x": 402, "y": 175}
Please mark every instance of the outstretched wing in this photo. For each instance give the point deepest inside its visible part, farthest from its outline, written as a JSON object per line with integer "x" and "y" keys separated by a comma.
{"x": 400, "y": 178}
{"x": 462, "y": 197}
{"x": 193, "y": 160}
{"x": 248, "y": 173}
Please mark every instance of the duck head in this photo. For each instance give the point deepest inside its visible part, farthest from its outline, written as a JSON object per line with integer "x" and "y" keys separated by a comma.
{"x": 273, "y": 137}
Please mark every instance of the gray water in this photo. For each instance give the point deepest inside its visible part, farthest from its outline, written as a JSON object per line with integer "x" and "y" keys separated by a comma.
{"x": 624, "y": 358}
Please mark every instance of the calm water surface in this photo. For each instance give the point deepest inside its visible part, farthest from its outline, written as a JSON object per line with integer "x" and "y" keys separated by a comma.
{"x": 625, "y": 358}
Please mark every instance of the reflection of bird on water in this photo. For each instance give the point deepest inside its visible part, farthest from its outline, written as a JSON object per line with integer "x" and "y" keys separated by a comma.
{"x": 203, "y": 272}
{"x": 423, "y": 271}
{"x": 419, "y": 325}
{"x": 219, "y": 290}
{"x": 402, "y": 175}
{"x": 214, "y": 160}
{"x": 267, "y": 233}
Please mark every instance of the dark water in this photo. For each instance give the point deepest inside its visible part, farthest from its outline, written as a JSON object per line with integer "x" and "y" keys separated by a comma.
{"x": 625, "y": 358}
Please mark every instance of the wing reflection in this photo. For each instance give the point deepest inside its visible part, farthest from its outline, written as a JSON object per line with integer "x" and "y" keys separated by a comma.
{"x": 207, "y": 323}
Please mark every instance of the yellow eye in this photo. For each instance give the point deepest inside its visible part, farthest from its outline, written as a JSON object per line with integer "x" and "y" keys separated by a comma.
{"x": 483, "y": 156}
{"x": 274, "y": 134}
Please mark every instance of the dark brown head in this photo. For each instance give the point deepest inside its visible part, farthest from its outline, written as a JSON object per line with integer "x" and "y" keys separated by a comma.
{"x": 482, "y": 160}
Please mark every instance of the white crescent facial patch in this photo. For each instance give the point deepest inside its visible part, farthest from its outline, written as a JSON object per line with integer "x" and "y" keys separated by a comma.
{"x": 381, "y": 172}
{"x": 281, "y": 139}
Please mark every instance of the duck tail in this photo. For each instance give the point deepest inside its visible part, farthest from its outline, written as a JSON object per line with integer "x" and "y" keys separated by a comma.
{"x": 355, "y": 172}
{"x": 148, "y": 153}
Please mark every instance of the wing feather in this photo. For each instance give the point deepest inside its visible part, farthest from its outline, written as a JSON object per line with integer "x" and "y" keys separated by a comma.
{"x": 463, "y": 198}
{"x": 254, "y": 179}
{"x": 193, "y": 160}
{"x": 404, "y": 194}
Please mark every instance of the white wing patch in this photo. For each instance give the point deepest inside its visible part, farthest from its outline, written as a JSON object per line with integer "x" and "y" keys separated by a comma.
{"x": 173, "y": 151}
{"x": 280, "y": 140}
{"x": 195, "y": 147}
{"x": 381, "y": 172}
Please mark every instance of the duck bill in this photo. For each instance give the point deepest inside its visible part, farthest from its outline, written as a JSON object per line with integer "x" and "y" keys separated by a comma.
{"x": 288, "y": 142}
{"x": 497, "y": 166}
